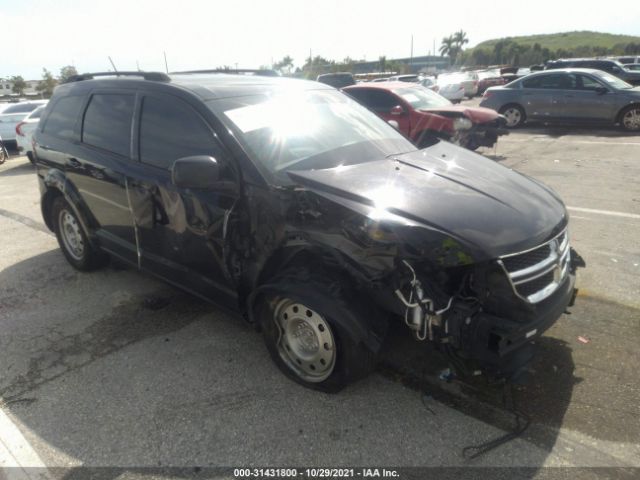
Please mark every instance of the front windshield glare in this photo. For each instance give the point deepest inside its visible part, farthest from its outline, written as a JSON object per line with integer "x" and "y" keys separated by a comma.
{"x": 420, "y": 98}
{"x": 308, "y": 129}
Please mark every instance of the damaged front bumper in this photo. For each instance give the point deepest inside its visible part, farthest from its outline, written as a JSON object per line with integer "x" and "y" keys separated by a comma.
{"x": 501, "y": 346}
{"x": 482, "y": 134}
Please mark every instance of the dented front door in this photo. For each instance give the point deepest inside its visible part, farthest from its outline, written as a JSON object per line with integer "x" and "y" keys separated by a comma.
{"x": 181, "y": 232}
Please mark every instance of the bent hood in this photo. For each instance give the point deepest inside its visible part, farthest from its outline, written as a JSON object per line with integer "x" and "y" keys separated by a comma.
{"x": 470, "y": 198}
{"x": 475, "y": 114}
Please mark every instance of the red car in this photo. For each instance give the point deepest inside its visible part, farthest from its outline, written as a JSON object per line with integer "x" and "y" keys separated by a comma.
{"x": 489, "y": 78}
{"x": 423, "y": 116}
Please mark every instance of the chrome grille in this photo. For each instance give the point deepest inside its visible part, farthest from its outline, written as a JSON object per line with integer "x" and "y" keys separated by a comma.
{"x": 537, "y": 273}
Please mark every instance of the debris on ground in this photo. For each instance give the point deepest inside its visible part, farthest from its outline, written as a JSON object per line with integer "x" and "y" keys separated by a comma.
{"x": 584, "y": 340}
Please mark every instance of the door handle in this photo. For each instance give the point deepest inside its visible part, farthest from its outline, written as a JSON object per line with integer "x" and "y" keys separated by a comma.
{"x": 75, "y": 163}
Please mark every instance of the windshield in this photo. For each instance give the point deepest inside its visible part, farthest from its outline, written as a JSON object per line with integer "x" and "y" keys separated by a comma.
{"x": 612, "y": 81}
{"x": 421, "y": 98}
{"x": 303, "y": 130}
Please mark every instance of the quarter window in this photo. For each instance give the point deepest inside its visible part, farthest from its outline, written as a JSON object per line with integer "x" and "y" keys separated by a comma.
{"x": 107, "y": 122}
{"x": 169, "y": 130}
{"x": 62, "y": 119}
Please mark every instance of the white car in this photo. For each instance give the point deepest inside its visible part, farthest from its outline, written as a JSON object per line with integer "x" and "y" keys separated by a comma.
{"x": 451, "y": 88}
{"x": 469, "y": 80}
{"x": 25, "y": 129}
{"x": 13, "y": 115}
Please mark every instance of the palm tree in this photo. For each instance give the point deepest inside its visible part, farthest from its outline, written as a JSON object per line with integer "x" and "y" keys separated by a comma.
{"x": 460, "y": 38}
{"x": 447, "y": 45}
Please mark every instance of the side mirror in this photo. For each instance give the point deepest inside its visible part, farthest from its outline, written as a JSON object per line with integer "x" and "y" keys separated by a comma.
{"x": 601, "y": 90}
{"x": 200, "y": 171}
{"x": 397, "y": 110}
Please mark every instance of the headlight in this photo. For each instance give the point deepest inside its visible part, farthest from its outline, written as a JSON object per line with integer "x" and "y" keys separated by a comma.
{"x": 462, "y": 124}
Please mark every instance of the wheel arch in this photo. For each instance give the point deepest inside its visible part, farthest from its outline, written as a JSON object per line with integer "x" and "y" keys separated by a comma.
{"x": 299, "y": 268}
{"x": 56, "y": 184}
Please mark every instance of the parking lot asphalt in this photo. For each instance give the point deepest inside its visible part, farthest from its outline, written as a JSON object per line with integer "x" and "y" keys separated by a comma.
{"x": 95, "y": 372}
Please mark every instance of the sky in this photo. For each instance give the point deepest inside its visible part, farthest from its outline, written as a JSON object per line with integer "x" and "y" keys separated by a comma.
{"x": 197, "y": 34}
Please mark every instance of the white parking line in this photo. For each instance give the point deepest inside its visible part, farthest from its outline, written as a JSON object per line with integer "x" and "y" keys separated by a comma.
{"x": 15, "y": 450}
{"x": 605, "y": 212}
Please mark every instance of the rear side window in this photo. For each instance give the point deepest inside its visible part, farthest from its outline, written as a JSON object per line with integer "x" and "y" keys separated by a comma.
{"x": 560, "y": 81}
{"x": 62, "y": 119}
{"x": 171, "y": 129}
{"x": 107, "y": 122}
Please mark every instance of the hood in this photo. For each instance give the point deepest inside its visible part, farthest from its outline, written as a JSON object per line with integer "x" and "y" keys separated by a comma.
{"x": 475, "y": 114}
{"x": 479, "y": 203}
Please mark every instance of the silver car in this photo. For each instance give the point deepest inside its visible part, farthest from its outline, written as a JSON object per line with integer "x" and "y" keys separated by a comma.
{"x": 571, "y": 96}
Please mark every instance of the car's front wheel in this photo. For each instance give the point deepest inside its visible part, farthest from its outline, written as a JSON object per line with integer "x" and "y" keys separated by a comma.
{"x": 73, "y": 241}
{"x": 514, "y": 114}
{"x": 307, "y": 344}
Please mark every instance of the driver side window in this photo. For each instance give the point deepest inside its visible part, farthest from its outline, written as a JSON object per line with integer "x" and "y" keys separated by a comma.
{"x": 381, "y": 101}
{"x": 588, "y": 83}
{"x": 170, "y": 129}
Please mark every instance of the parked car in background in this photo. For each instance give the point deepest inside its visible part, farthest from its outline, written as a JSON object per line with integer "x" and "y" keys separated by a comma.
{"x": 429, "y": 82}
{"x": 451, "y": 88}
{"x": 610, "y": 66}
{"x": 423, "y": 116}
{"x": 489, "y": 78}
{"x": 302, "y": 212}
{"x": 25, "y": 129}
{"x": 634, "y": 67}
{"x": 13, "y": 115}
{"x": 568, "y": 96}
{"x": 337, "y": 80}
{"x": 409, "y": 78}
{"x": 468, "y": 81}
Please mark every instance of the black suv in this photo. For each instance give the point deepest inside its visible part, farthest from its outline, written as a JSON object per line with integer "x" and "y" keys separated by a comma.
{"x": 294, "y": 206}
{"x": 610, "y": 66}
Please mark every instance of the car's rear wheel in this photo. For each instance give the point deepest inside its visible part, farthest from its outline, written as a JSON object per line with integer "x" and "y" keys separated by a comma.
{"x": 630, "y": 118}
{"x": 514, "y": 114}
{"x": 73, "y": 241}
{"x": 306, "y": 343}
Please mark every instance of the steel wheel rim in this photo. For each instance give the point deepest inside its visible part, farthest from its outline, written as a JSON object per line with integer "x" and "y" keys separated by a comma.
{"x": 513, "y": 116}
{"x": 306, "y": 343}
{"x": 71, "y": 235}
{"x": 631, "y": 119}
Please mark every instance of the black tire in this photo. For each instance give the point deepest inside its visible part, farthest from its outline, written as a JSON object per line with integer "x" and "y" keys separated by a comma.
{"x": 630, "y": 124}
{"x": 515, "y": 115}
{"x": 352, "y": 360}
{"x": 30, "y": 157}
{"x": 73, "y": 241}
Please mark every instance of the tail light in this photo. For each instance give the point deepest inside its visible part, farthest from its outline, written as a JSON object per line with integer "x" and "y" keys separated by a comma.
{"x": 19, "y": 129}
{"x": 487, "y": 94}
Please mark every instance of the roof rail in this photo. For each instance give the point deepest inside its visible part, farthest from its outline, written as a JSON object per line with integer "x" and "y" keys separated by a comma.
{"x": 153, "y": 76}
{"x": 233, "y": 71}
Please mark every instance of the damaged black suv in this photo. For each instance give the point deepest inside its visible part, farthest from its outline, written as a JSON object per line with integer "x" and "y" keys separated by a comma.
{"x": 294, "y": 206}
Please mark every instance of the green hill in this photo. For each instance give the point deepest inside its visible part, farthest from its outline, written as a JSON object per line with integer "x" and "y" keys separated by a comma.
{"x": 537, "y": 49}
{"x": 567, "y": 40}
